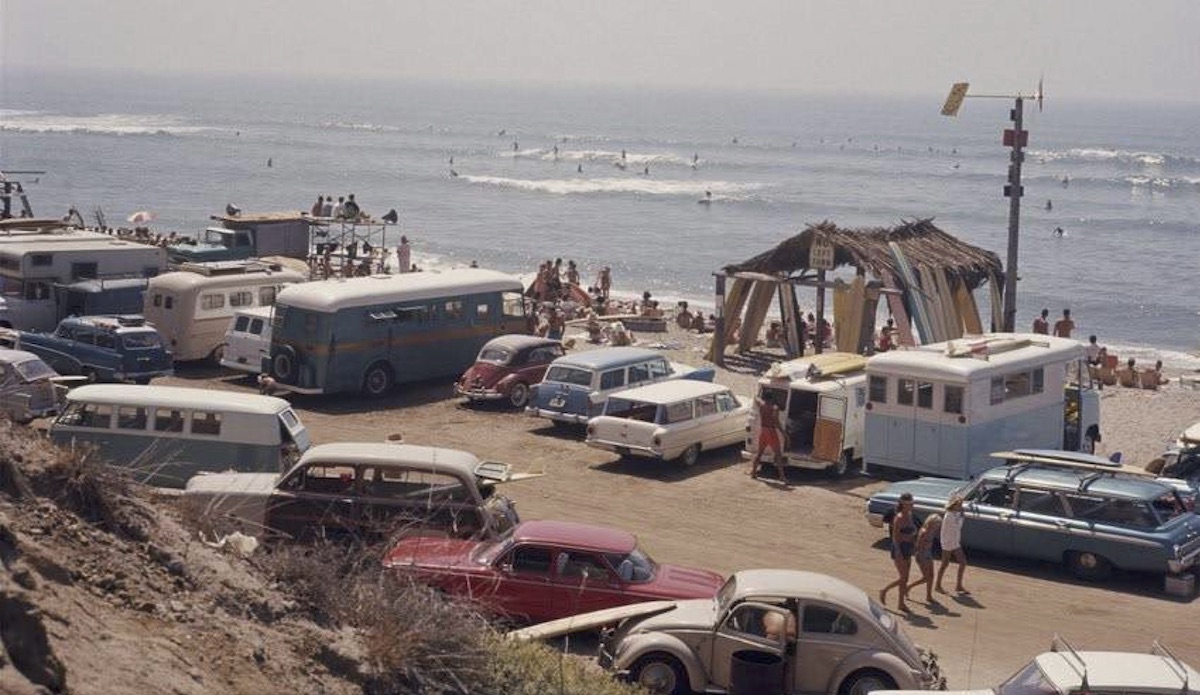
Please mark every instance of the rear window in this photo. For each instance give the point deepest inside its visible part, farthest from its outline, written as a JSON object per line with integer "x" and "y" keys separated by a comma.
{"x": 569, "y": 375}
{"x": 141, "y": 341}
{"x": 241, "y": 323}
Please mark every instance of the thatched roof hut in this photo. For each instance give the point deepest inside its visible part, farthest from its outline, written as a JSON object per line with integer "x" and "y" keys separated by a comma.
{"x": 867, "y": 249}
{"x": 942, "y": 273}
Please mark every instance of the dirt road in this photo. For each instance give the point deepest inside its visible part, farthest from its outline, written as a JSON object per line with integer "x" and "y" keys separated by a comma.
{"x": 715, "y": 515}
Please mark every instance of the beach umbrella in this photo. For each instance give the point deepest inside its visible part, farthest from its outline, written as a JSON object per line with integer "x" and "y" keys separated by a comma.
{"x": 140, "y": 217}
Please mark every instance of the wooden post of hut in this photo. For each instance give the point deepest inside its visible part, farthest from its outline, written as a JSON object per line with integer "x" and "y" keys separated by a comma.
{"x": 718, "y": 346}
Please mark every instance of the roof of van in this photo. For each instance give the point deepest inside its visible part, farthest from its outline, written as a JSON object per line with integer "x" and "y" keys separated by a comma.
{"x": 1007, "y": 351}
{"x": 330, "y": 295}
{"x": 263, "y": 311}
{"x": 383, "y": 452}
{"x": 55, "y": 244}
{"x": 177, "y": 397}
{"x": 179, "y": 280}
{"x": 671, "y": 391}
{"x": 606, "y": 357}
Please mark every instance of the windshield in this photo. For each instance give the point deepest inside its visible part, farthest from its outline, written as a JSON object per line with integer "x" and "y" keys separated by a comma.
{"x": 635, "y": 566}
{"x": 142, "y": 340}
{"x": 494, "y": 355}
{"x": 725, "y": 595}
{"x": 569, "y": 375}
{"x": 1028, "y": 681}
{"x": 32, "y": 370}
{"x": 487, "y": 552}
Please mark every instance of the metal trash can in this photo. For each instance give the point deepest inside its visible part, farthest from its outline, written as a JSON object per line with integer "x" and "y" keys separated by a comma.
{"x": 755, "y": 673}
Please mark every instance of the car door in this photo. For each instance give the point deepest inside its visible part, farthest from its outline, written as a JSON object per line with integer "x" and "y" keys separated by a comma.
{"x": 583, "y": 582}
{"x": 989, "y": 517}
{"x": 745, "y": 629}
{"x": 317, "y": 501}
{"x": 520, "y": 583}
{"x": 731, "y": 428}
{"x": 1041, "y": 528}
{"x": 828, "y": 636}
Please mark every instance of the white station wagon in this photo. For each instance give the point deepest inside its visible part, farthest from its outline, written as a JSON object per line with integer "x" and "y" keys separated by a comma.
{"x": 670, "y": 420}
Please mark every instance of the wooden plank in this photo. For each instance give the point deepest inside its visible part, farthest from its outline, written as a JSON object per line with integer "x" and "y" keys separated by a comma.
{"x": 895, "y": 300}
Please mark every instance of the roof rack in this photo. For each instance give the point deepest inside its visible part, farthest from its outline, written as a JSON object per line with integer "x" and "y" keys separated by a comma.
{"x": 240, "y": 267}
{"x": 1173, "y": 663}
{"x": 1077, "y": 664}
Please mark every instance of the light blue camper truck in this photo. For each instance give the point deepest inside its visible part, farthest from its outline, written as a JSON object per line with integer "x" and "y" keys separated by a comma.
{"x": 166, "y": 434}
{"x": 943, "y": 409}
{"x": 370, "y": 333}
{"x": 576, "y": 386}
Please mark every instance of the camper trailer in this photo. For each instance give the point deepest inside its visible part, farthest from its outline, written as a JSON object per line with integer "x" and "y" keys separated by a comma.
{"x": 820, "y": 400}
{"x": 38, "y": 268}
{"x": 942, "y": 409}
{"x": 191, "y": 307}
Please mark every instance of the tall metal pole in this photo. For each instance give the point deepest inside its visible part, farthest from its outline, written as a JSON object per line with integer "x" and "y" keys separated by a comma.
{"x": 1017, "y": 139}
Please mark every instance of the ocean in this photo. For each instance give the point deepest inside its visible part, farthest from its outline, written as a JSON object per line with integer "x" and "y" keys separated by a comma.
{"x": 511, "y": 176}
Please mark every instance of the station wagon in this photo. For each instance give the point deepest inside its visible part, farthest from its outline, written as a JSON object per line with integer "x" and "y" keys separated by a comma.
{"x": 1089, "y": 517}
{"x": 360, "y": 490}
{"x": 671, "y": 420}
{"x": 576, "y": 386}
{"x": 111, "y": 348}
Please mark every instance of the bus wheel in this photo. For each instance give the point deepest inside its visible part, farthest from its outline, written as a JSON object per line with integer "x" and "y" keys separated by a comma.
{"x": 378, "y": 380}
{"x": 217, "y": 355}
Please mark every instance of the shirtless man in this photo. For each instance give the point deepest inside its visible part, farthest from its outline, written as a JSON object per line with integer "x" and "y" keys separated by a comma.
{"x": 1042, "y": 324}
{"x": 770, "y": 434}
{"x": 1064, "y": 326}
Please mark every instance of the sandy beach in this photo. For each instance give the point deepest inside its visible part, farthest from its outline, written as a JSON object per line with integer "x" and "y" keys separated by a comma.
{"x": 715, "y": 515}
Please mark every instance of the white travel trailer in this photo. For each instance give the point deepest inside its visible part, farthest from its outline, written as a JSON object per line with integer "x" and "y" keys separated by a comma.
{"x": 943, "y": 409}
{"x": 35, "y": 263}
{"x": 820, "y": 400}
{"x": 191, "y": 307}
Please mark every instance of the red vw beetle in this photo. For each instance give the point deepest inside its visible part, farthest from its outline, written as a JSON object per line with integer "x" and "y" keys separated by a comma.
{"x": 506, "y": 367}
{"x": 545, "y": 570}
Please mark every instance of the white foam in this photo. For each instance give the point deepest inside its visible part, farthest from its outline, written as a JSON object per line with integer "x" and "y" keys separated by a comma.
{"x": 1146, "y": 356}
{"x": 634, "y": 184}
{"x": 103, "y": 124}
{"x": 632, "y": 160}
{"x": 1100, "y": 154}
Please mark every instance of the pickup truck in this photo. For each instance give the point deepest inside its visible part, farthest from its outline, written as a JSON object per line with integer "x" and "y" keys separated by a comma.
{"x": 119, "y": 347}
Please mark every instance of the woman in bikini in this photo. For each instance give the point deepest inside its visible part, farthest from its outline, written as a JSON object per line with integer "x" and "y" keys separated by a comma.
{"x": 923, "y": 554}
{"x": 904, "y": 538}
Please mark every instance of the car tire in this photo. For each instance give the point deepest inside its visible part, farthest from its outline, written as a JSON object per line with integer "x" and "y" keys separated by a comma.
{"x": 217, "y": 354}
{"x": 842, "y": 466}
{"x": 661, "y": 674}
{"x": 283, "y": 364}
{"x": 518, "y": 394}
{"x": 866, "y": 681}
{"x": 689, "y": 456}
{"x": 377, "y": 380}
{"x": 1088, "y": 566}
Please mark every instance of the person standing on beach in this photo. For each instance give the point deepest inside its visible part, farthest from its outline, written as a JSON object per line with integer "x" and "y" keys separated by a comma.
{"x": 604, "y": 282}
{"x": 952, "y": 524}
{"x": 770, "y": 435}
{"x": 1041, "y": 324}
{"x": 1064, "y": 326}
{"x": 904, "y": 539}
{"x": 404, "y": 255}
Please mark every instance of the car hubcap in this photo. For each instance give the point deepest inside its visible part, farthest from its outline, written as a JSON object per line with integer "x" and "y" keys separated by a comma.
{"x": 519, "y": 394}
{"x": 376, "y": 381}
{"x": 1088, "y": 561}
{"x": 867, "y": 685}
{"x": 657, "y": 677}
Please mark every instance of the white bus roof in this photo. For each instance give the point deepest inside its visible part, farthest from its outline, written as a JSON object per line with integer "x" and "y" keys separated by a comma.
{"x": 331, "y": 295}
{"x": 23, "y": 236}
{"x": 1007, "y": 352}
{"x": 671, "y": 391}
{"x": 183, "y": 280}
{"x": 177, "y": 397}
{"x": 53, "y": 244}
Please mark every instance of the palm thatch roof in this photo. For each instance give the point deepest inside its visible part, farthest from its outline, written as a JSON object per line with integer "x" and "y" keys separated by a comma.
{"x": 867, "y": 249}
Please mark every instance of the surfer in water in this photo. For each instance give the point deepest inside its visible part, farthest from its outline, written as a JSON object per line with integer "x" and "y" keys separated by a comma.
{"x": 579, "y": 169}
{"x": 1049, "y": 204}
{"x": 707, "y": 199}
{"x": 1058, "y": 232}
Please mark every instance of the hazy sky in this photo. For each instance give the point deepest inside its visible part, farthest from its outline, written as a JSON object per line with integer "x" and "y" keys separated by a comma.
{"x": 1085, "y": 48}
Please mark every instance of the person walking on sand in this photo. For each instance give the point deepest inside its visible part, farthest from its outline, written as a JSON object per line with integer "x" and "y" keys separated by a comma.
{"x": 604, "y": 282}
{"x": 770, "y": 434}
{"x": 930, "y": 531}
{"x": 1064, "y": 326}
{"x": 904, "y": 538}
{"x": 952, "y": 524}
{"x": 1041, "y": 325}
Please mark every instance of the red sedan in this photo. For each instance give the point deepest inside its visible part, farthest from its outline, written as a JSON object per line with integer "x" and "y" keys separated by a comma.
{"x": 506, "y": 367}
{"x": 544, "y": 570}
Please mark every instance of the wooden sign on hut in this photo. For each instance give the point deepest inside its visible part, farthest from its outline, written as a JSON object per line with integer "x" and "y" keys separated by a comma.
{"x": 926, "y": 276}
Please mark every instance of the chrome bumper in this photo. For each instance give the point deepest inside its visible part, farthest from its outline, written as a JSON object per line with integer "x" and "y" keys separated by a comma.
{"x": 558, "y": 415}
{"x": 478, "y": 394}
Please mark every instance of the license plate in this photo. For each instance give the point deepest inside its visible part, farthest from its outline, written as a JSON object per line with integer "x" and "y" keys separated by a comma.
{"x": 557, "y": 402}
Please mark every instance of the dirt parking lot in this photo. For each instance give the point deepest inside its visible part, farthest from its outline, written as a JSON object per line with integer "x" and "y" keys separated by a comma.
{"x": 716, "y": 516}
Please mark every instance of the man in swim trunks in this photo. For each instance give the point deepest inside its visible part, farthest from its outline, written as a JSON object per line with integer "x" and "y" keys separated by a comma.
{"x": 770, "y": 434}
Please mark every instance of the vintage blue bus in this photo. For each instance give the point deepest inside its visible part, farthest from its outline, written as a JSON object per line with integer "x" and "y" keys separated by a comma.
{"x": 370, "y": 333}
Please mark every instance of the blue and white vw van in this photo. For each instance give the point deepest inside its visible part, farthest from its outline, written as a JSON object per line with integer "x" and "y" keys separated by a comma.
{"x": 575, "y": 386}
{"x": 167, "y": 434}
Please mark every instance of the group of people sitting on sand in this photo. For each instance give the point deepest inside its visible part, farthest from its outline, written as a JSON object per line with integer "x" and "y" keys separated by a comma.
{"x": 1104, "y": 368}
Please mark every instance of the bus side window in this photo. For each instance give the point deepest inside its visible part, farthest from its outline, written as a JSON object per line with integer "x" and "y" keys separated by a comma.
{"x": 131, "y": 418}
{"x": 482, "y": 311}
{"x": 453, "y": 310}
{"x": 206, "y": 422}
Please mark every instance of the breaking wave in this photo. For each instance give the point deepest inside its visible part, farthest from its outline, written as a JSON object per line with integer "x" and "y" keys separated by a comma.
{"x": 721, "y": 190}
{"x": 100, "y": 124}
{"x": 631, "y": 160}
{"x": 1085, "y": 155}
